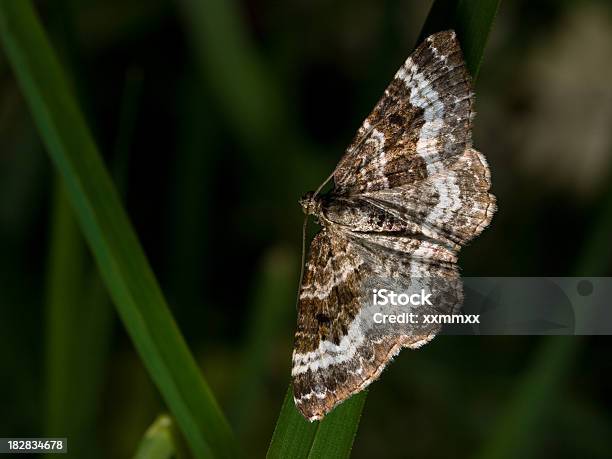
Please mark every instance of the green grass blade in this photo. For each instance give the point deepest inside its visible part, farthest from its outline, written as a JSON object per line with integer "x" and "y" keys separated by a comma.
{"x": 474, "y": 20}
{"x": 293, "y": 436}
{"x": 471, "y": 19}
{"x": 335, "y": 436}
{"x": 79, "y": 313}
{"x": 65, "y": 267}
{"x": 78, "y": 323}
{"x": 331, "y": 438}
{"x": 120, "y": 258}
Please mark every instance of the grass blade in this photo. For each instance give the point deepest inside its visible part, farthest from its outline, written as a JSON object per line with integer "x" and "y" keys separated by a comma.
{"x": 78, "y": 325}
{"x": 471, "y": 19}
{"x": 293, "y": 436}
{"x": 120, "y": 258}
{"x": 65, "y": 268}
{"x": 332, "y": 438}
{"x": 79, "y": 313}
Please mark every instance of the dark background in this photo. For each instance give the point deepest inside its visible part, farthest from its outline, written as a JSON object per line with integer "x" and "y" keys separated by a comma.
{"x": 213, "y": 136}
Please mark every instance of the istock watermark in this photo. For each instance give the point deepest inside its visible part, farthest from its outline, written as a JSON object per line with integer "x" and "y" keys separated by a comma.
{"x": 383, "y": 297}
{"x": 487, "y": 306}
{"x": 414, "y": 319}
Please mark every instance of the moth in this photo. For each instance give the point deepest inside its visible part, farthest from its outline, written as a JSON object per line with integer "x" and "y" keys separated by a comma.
{"x": 408, "y": 193}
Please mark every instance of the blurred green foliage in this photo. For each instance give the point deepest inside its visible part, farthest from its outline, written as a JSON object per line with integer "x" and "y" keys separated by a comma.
{"x": 110, "y": 236}
{"x": 221, "y": 114}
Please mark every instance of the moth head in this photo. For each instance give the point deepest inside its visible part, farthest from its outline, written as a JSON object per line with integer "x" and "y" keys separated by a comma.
{"x": 310, "y": 204}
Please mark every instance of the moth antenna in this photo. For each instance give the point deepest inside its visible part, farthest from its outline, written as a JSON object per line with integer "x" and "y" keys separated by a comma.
{"x": 322, "y": 185}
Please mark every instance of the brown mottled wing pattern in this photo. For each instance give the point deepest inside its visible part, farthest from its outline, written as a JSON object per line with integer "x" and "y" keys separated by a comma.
{"x": 452, "y": 205}
{"x": 423, "y": 117}
{"x": 409, "y": 192}
{"x": 328, "y": 302}
{"x": 338, "y": 350}
{"x": 329, "y": 291}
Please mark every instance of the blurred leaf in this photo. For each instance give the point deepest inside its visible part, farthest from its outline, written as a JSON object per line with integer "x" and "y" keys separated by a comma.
{"x": 78, "y": 323}
{"x": 157, "y": 442}
{"x": 64, "y": 283}
{"x": 596, "y": 254}
{"x": 109, "y": 234}
{"x": 595, "y": 427}
{"x": 514, "y": 434}
{"x": 195, "y": 168}
{"x": 275, "y": 290}
{"x": 539, "y": 392}
{"x": 233, "y": 69}
{"x": 472, "y": 19}
{"x": 130, "y": 102}
{"x": 79, "y": 314}
{"x": 251, "y": 101}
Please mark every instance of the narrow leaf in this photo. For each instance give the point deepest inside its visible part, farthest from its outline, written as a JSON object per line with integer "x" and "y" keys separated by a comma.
{"x": 297, "y": 438}
{"x": 78, "y": 324}
{"x": 109, "y": 234}
{"x": 471, "y": 19}
{"x": 293, "y": 436}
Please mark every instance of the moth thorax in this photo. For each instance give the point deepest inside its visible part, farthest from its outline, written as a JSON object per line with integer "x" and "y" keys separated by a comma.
{"x": 310, "y": 203}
